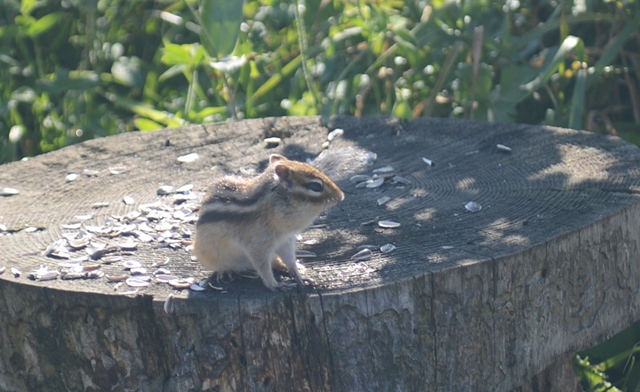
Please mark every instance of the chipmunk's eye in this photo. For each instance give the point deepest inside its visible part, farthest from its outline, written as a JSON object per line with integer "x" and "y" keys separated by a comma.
{"x": 314, "y": 186}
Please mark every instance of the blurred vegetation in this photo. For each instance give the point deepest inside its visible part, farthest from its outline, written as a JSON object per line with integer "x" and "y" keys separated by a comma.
{"x": 73, "y": 70}
{"x": 611, "y": 366}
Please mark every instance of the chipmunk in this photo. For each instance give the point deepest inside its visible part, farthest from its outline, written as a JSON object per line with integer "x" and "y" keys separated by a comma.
{"x": 251, "y": 223}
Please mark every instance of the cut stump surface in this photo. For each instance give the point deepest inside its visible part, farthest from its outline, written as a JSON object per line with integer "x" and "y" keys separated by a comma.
{"x": 466, "y": 301}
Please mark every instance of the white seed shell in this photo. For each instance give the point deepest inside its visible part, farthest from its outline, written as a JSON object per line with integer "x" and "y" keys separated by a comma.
{"x": 8, "y": 191}
{"x": 383, "y": 200}
{"x": 385, "y": 169}
{"x": 375, "y": 183}
{"x": 118, "y": 169}
{"x": 387, "y": 224}
{"x": 473, "y": 206}
{"x": 188, "y": 158}
{"x": 387, "y": 248}
{"x": 137, "y": 281}
{"x": 359, "y": 178}
{"x": 336, "y": 133}
{"x": 196, "y": 287}
{"x": 130, "y": 264}
{"x": 272, "y": 141}
{"x": 364, "y": 254}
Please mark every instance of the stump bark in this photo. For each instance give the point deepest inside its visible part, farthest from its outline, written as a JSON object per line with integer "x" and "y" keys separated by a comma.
{"x": 468, "y": 301}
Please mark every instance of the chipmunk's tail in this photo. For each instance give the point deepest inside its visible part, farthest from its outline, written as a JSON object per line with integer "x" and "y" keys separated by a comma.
{"x": 341, "y": 163}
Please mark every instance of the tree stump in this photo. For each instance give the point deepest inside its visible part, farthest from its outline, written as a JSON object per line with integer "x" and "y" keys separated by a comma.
{"x": 467, "y": 301}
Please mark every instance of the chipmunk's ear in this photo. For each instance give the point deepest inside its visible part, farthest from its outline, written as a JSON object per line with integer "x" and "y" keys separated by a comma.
{"x": 283, "y": 173}
{"x": 276, "y": 158}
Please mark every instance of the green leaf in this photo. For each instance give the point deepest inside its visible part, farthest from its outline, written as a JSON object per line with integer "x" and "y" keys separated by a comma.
{"x": 145, "y": 125}
{"x": 174, "y": 70}
{"x": 207, "y": 112}
{"x": 568, "y": 45}
{"x": 511, "y": 80}
{"x": 177, "y": 54}
{"x": 578, "y": 100}
{"x": 145, "y": 111}
{"x": 401, "y": 109}
{"x": 44, "y": 24}
{"x": 26, "y": 6}
{"x": 277, "y": 78}
{"x": 65, "y": 80}
{"x": 220, "y": 21}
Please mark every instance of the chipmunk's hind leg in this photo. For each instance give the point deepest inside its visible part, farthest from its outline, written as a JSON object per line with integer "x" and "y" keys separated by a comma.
{"x": 262, "y": 264}
{"x": 222, "y": 277}
{"x": 287, "y": 256}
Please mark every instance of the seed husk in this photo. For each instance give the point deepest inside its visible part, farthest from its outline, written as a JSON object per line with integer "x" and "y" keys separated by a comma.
{"x": 90, "y": 172}
{"x": 137, "y": 281}
{"x": 336, "y": 133}
{"x": 383, "y": 200}
{"x": 375, "y": 183}
{"x": 472, "y": 206}
{"x": 428, "y": 161}
{"x": 90, "y": 267}
{"x": 138, "y": 271}
{"x": 359, "y": 178}
{"x": 8, "y": 192}
{"x": 180, "y": 283}
{"x": 387, "y": 248}
{"x": 387, "y": 224}
{"x": 116, "y": 278}
{"x": 196, "y": 287}
{"x": 188, "y": 158}
{"x": 272, "y": 141}
{"x": 166, "y": 278}
{"x": 385, "y": 169}
{"x": 364, "y": 254}
{"x": 118, "y": 169}
{"x": 166, "y": 190}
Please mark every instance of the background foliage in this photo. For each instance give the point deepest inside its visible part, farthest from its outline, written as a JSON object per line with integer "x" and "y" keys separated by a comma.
{"x": 73, "y": 70}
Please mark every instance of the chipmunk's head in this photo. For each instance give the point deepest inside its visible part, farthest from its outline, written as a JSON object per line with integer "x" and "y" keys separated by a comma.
{"x": 305, "y": 182}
